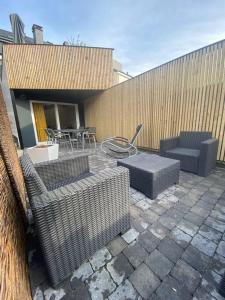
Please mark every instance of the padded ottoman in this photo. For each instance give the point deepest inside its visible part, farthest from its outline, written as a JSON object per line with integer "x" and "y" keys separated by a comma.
{"x": 151, "y": 174}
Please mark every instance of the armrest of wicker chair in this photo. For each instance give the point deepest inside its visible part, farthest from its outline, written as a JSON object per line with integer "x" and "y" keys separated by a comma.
{"x": 167, "y": 144}
{"x": 76, "y": 220}
{"x": 208, "y": 154}
{"x": 64, "y": 168}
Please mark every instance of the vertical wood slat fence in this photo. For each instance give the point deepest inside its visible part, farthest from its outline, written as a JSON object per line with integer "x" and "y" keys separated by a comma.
{"x": 184, "y": 94}
{"x": 57, "y": 67}
{"x": 14, "y": 280}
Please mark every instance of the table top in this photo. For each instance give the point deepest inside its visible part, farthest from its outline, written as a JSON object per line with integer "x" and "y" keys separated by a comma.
{"x": 149, "y": 162}
{"x": 71, "y": 130}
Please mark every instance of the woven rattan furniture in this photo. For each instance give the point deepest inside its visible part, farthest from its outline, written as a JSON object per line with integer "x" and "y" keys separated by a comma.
{"x": 151, "y": 174}
{"x": 75, "y": 217}
{"x": 197, "y": 151}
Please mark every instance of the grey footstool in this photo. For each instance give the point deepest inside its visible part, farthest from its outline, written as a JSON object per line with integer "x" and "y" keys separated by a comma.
{"x": 151, "y": 174}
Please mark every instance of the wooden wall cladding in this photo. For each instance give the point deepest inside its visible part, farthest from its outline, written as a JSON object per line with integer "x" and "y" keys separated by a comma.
{"x": 14, "y": 280}
{"x": 9, "y": 154}
{"x": 184, "y": 94}
{"x": 58, "y": 67}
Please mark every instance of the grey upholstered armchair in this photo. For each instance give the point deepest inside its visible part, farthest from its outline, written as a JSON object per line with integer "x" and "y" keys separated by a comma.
{"x": 196, "y": 151}
{"x": 75, "y": 212}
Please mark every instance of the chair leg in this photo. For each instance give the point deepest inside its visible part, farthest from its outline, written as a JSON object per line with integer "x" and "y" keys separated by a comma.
{"x": 94, "y": 141}
{"x": 83, "y": 141}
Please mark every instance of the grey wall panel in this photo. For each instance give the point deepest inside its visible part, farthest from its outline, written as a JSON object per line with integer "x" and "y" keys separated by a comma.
{"x": 8, "y": 102}
{"x": 25, "y": 122}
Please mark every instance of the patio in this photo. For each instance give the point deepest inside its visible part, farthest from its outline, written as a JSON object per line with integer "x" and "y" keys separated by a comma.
{"x": 176, "y": 246}
{"x": 174, "y": 250}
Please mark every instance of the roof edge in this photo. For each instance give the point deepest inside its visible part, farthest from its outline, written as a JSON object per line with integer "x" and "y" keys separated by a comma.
{"x": 57, "y": 45}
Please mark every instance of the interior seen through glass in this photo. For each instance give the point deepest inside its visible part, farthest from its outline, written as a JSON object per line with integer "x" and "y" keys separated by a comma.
{"x": 49, "y": 110}
{"x": 67, "y": 116}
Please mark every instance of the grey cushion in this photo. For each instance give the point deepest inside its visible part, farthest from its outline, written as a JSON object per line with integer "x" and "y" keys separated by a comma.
{"x": 193, "y": 139}
{"x": 34, "y": 184}
{"x": 189, "y": 158}
{"x": 185, "y": 151}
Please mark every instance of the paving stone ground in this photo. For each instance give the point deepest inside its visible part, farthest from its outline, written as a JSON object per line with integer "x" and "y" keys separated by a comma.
{"x": 174, "y": 250}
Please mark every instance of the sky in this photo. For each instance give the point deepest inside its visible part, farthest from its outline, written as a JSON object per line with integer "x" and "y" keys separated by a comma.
{"x": 143, "y": 33}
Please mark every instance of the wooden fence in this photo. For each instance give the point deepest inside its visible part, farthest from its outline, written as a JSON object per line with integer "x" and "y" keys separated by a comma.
{"x": 14, "y": 281}
{"x": 184, "y": 94}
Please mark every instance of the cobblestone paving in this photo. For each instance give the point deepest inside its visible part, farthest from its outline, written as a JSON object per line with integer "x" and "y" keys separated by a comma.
{"x": 174, "y": 250}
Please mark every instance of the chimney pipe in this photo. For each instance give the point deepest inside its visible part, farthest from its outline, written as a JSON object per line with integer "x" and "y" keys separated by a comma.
{"x": 38, "y": 34}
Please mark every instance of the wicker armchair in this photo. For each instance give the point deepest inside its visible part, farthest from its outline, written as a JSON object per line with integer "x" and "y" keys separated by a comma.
{"x": 196, "y": 151}
{"x": 75, "y": 212}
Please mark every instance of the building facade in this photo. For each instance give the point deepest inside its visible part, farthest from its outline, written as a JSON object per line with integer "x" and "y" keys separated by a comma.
{"x": 47, "y": 85}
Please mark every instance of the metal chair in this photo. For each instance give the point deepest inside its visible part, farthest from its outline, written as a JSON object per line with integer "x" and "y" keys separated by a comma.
{"x": 60, "y": 138}
{"x": 117, "y": 146}
{"x": 74, "y": 139}
{"x": 49, "y": 136}
{"x": 90, "y": 135}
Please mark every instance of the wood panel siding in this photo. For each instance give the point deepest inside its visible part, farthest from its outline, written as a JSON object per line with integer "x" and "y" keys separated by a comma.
{"x": 14, "y": 278}
{"x": 57, "y": 67}
{"x": 184, "y": 94}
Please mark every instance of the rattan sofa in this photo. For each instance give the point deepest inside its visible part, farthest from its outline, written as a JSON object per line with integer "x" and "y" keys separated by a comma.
{"x": 75, "y": 212}
{"x": 196, "y": 150}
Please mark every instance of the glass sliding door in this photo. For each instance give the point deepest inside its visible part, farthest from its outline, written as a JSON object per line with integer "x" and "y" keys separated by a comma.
{"x": 45, "y": 117}
{"x": 50, "y": 116}
{"x": 55, "y": 116}
{"x": 67, "y": 116}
